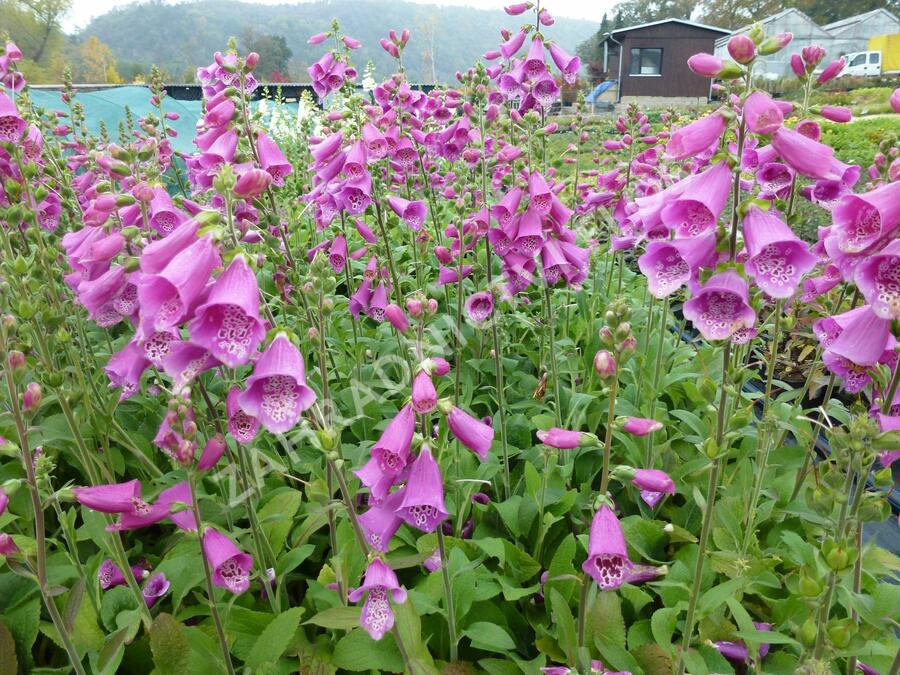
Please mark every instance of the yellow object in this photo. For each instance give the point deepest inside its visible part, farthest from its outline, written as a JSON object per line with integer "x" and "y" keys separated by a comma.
{"x": 889, "y": 46}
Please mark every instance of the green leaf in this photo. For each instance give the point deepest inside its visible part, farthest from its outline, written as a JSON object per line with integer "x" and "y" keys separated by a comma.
{"x": 409, "y": 627}
{"x": 23, "y": 623}
{"x": 499, "y": 667}
{"x": 341, "y": 618}
{"x": 604, "y": 620}
{"x": 662, "y": 624}
{"x": 357, "y": 652}
{"x": 293, "y": 558}
{"x": 564, "y": 622}
{"x": 561, "y": 565}
{"x": 115, "y": 601}
{"x": 183, "y": 569}
{"x": 86, "y": 634}
{"x": 9, "y": 664}
{"x": 489, "y": 637}
{"x": 771, "y": 637}
{"x": 170, "y": 647}
{"x": 206, "y": 655}
{"x": 519, "y": 565}
{"x": 275, "y": 638}
{"x": 653, "y": 660}
{"x": 714, "y": 598}
{"x": 277, "y": 517}
{"x": 109, "y": 658}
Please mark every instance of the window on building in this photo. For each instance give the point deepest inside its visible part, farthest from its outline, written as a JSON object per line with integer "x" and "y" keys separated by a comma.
{"x": 646, "y": 62}
{"x": 873, "y": 57}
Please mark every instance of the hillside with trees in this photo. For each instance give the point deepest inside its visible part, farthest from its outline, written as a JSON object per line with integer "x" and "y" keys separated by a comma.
{"x": 179, "y": 37}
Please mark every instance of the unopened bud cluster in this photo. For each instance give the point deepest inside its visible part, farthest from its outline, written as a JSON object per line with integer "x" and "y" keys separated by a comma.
{"x": 617, "y": 341}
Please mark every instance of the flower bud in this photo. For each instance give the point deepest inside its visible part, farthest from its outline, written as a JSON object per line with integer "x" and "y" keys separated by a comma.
{"x": 32, "y": 397}
{"x": 832, "y": 70}
{"x": 16, "y": 361}
{"x": 605, "y": 365}
{"x": 414, "y": 307}
{"x": 394, "y": 314}
{"x": 741, "y": 48}
{"x": 775, "y": 43}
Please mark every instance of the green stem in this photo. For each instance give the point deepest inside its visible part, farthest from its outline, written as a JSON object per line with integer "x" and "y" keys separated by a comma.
{"x": 582, "y": 616}
{"x": 544, "y": 478}
{"x": 607, "y": 443}
{"x": 554, "y": 370}
{"x": 711, "y": 489}
{"x": 39, "y": 527}
{"x": 364, "y": 547}
{"x": 660, "y": 348}
{"x": 210, "y": 590}
{"x": 448, "y": 596}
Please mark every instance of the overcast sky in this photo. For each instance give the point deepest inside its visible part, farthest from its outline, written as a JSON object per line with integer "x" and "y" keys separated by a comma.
{"x": 84, "y": 10}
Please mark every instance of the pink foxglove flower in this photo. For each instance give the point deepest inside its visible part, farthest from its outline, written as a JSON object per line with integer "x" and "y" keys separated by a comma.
{"x": 381, "y": 522}
{"x": 777, "y": 258}
{"x": 424, "y": 395}
{"x": 811, "y": 158}
{"x": 640, "y": 426}
{"x": 212, "y": 452}
{"x": 276, "y": 392}
{"x": 563, "y": 439}
{"x": 761, "y": 114}
{"x": 479, "y": 306}
{"x": 112, "y": 498}
{"x": 412, "y": 213}
{"x": 706, "y": 65}
{"x": 396, "y": 317}
{"x": 831, "y": 71}
{"x": 337, "y": 253}
{"x": 529, "y": 235}
{"x": 698, "y": 208}
{"x": 535, "y": 65}
{"x": 154, "y": 588}
{"x": 242, "y": 427}
{"x": 125, "y": 368}
{"x": 568, "y": 65}
{"x": 110, "y": 575}
{"x": 228, "y": 323}
{"x": 721, "y": 306}
{"x": 272, "y": 159}
{"x": 862, "y": 220}
{"x": 8, "y": 547}
{"x": 653, "y": 484}
{"x": 472, "y": 433}
{"x": 607, "y": 562}
{"x": 516, "y": 9}
{"x": 669, "y": 264}
{"x": 378, "y": 303}
{"x": 423, "y": 499}
{"x": 381, "y": 587}
{"x": 167, "y": 296}
{"x": 391, "y": 451}
{"x": 696, "y": 137}
{"x": 509, "y": 48}
{"x": 12, "y": 125}
{"x": 162, "y": 508}
{"x": 157, "y": 254}
{"x": 231, "y": 567}
{"x": 878, "y": 278}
